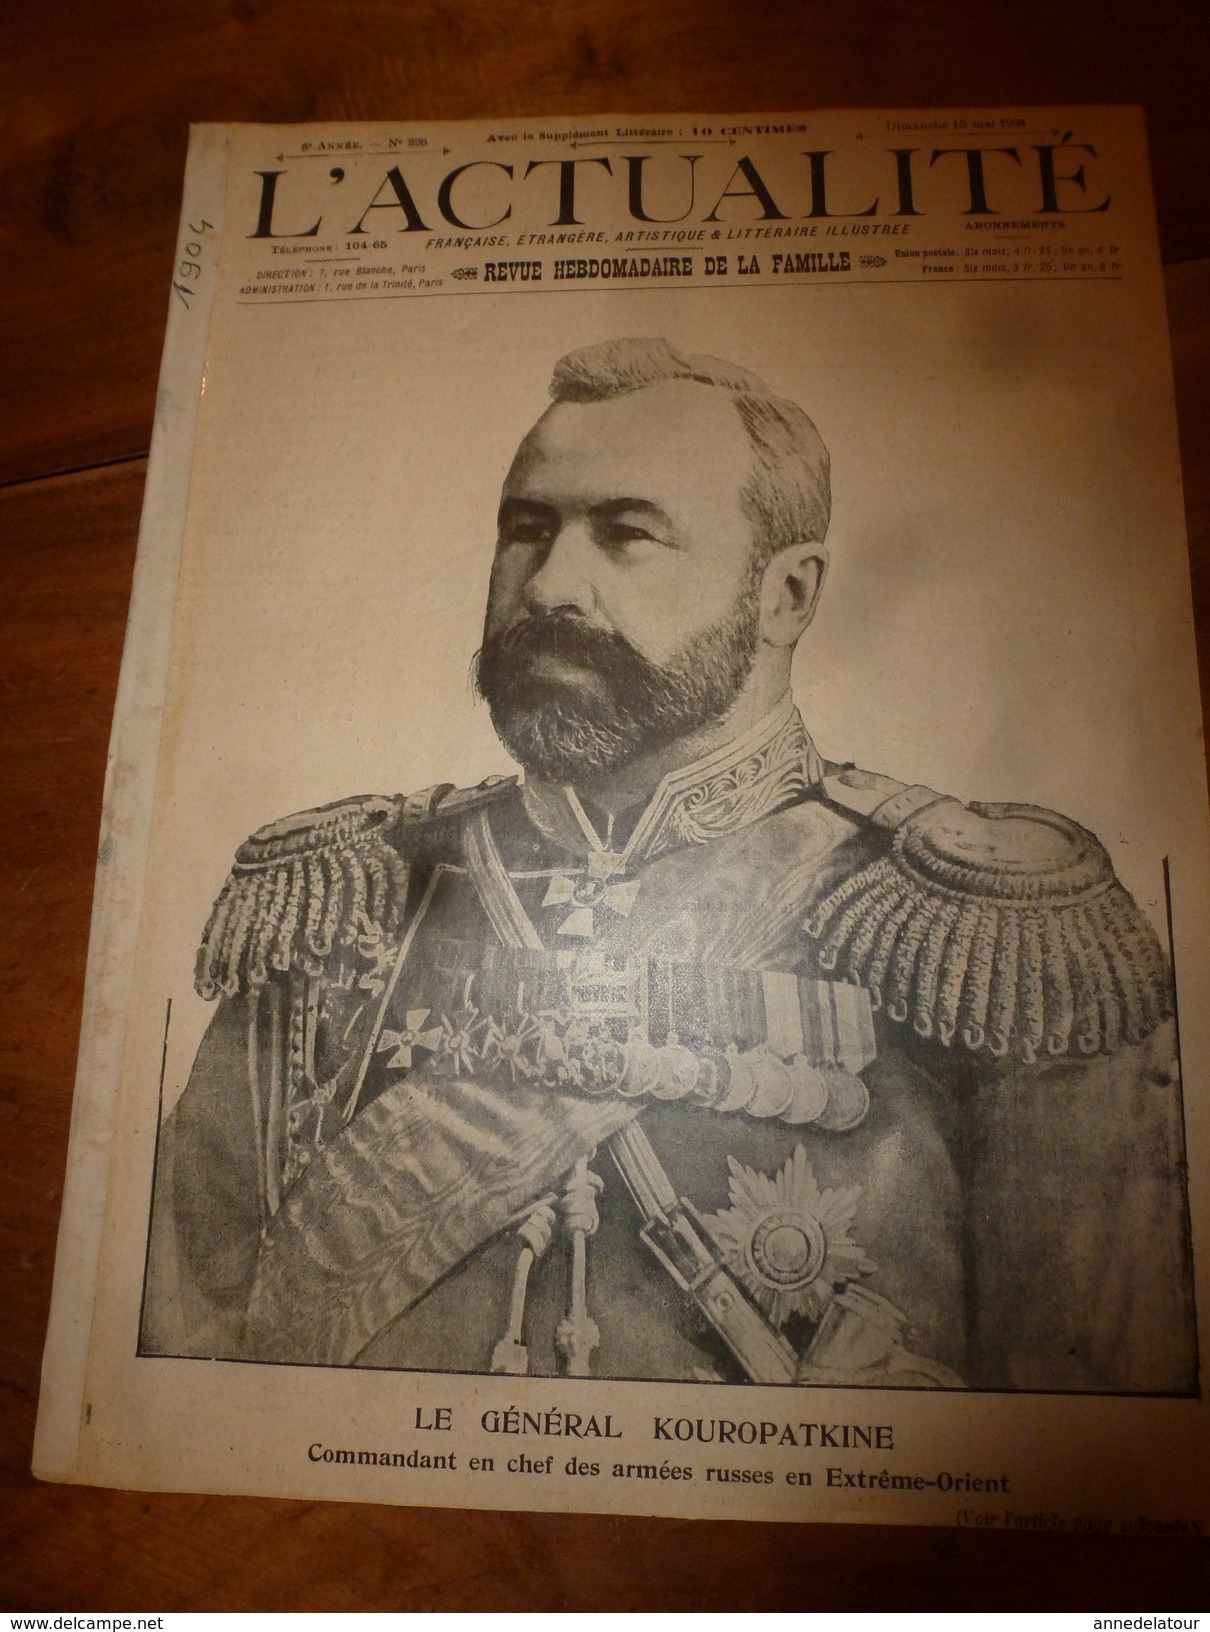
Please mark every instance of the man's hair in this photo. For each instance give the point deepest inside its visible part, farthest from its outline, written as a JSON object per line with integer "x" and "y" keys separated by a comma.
{"x": 787, "y": 496}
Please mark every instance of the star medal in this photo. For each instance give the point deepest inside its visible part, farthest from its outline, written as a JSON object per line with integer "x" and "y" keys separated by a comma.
{"x": 787, "y": 1241}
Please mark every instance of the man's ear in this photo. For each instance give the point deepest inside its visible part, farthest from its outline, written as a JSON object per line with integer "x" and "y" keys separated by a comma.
{"x": 789, "y": 591}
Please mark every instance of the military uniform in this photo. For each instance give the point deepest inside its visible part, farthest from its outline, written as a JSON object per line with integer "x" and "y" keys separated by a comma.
{"x": 807, "y": 1077}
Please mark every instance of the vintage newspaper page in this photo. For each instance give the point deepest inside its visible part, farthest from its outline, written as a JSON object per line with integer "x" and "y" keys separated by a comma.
{"x": 649, "y": 946}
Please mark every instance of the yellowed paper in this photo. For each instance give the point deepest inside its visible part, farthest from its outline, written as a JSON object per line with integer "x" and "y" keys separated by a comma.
{"x": 683, "y": 626}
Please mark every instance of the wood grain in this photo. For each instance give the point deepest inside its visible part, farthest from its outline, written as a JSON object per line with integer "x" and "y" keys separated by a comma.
{"x": 96, "y": 101}
{"x": 65, "y": 566}
{"x": 106, "y": 1550}
{"x": 1188, "y": 291}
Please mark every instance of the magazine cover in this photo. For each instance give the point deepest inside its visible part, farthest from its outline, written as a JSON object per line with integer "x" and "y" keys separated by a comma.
{"x": 648, "y": 952}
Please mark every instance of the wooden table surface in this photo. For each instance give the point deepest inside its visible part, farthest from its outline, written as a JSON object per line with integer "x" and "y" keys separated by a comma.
{"x": 95, "y": 106}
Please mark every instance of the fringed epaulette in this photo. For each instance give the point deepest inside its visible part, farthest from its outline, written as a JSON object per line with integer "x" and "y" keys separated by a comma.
{"x": 318, "y": 880}
{"x": 1002, "y": 926}
{"x": 297, "y": 888}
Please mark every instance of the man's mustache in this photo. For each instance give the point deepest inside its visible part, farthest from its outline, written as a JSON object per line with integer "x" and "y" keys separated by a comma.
{"x": 512, "y": 653}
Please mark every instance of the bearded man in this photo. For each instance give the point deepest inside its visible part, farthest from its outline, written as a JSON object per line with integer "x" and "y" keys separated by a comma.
{"x": 689, "y": 1055}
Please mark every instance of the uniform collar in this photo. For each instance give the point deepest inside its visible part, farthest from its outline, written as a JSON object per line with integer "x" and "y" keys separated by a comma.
{"x": 772, "y": 764}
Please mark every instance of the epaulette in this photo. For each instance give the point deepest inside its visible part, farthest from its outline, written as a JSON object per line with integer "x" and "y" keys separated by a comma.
{"x": 296, "y": 887}
{"x": 451, "y": 803}
{"x": 1001, "y": 925}
{"x": 316, "y": 880}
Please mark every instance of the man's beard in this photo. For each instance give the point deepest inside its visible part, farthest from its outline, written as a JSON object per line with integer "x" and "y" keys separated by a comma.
{"x": 565, "y": 731}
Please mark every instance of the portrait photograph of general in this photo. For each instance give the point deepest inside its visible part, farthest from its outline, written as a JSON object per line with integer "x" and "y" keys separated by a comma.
{"x": 699, "y": 908}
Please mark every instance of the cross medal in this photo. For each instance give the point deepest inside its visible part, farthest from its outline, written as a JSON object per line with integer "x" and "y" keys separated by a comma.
{"x": 592, "y": 892}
